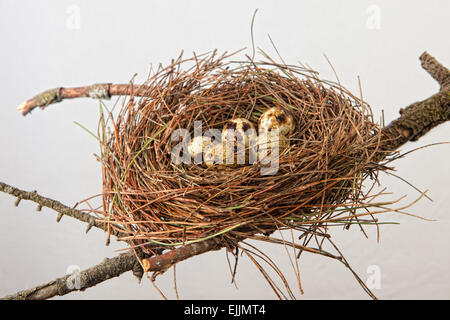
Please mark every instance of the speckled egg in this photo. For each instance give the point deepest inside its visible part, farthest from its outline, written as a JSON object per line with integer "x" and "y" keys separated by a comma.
{"x": 214, "y": 155}
{"x": 226, "y": 155}
{"x": 239, "y": 131}
{"x": 239, "y": 139}
{"x": 198, "y": 145}
{"x": 268, "y": 142}
{"x": 277, "y": 118}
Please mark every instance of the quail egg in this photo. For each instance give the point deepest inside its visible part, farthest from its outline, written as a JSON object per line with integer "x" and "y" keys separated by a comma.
{"x": 239, "y": 140}
{"x": 214, "y": 155}
{"x": 277, "y": 118}
{"x": 271, "y": 145}
{"x": 199, "y": 145}
{"x": 239, "y": 131}
{"x": 226, "y": 155}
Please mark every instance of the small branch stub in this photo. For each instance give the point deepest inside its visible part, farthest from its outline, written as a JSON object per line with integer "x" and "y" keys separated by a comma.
{"x": 439, "y": 73}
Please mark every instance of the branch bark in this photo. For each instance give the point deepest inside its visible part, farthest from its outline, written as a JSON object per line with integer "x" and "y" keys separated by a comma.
{"x": 166, "y": 260}
{"x": 95, "y": 91}
{"x": 114, "y": 267}
{"x": 57, "y": 206}
{"x": 435, "y": 69}
{"x": 108, "y": 269}
{"x": 414, "y": 121}
{"x": 420, "y": 117}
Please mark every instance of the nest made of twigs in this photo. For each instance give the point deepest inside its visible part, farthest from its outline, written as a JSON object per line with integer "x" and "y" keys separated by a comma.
{"x": 334, "y": 148}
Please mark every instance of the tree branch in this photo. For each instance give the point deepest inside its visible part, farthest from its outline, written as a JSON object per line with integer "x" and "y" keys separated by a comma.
{"x": 420, "y": 117}
{"x": 56, "y": 206}
{"x": 88, "y": 278}
{"x": 439, "y": 73}
{"x": 164, "y": 261}
{"x": 95, "y": 91}
{"x": 114, "y": 267}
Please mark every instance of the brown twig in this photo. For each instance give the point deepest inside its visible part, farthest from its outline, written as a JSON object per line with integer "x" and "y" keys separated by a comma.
{"x": 164, "y": 261}
{"x": 56, "y": 206}
{"x": 95, "y": 91}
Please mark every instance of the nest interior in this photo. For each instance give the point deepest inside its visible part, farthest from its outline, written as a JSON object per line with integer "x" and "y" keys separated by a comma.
{"x": 319, "y": 182}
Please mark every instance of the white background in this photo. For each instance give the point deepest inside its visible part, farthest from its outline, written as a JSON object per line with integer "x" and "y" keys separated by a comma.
{"x": 378, "y": 40}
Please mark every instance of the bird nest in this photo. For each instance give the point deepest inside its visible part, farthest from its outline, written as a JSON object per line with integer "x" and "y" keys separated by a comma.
{"x": 318, "y": 181}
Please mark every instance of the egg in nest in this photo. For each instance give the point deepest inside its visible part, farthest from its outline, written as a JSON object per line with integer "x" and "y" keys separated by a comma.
{"x": 199, "y": 145}
{"x": 239, "y": 130}
{"x": 277, "y": 118}
{"x": 239, "y": 141}
{"x": 271, "y": 145}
